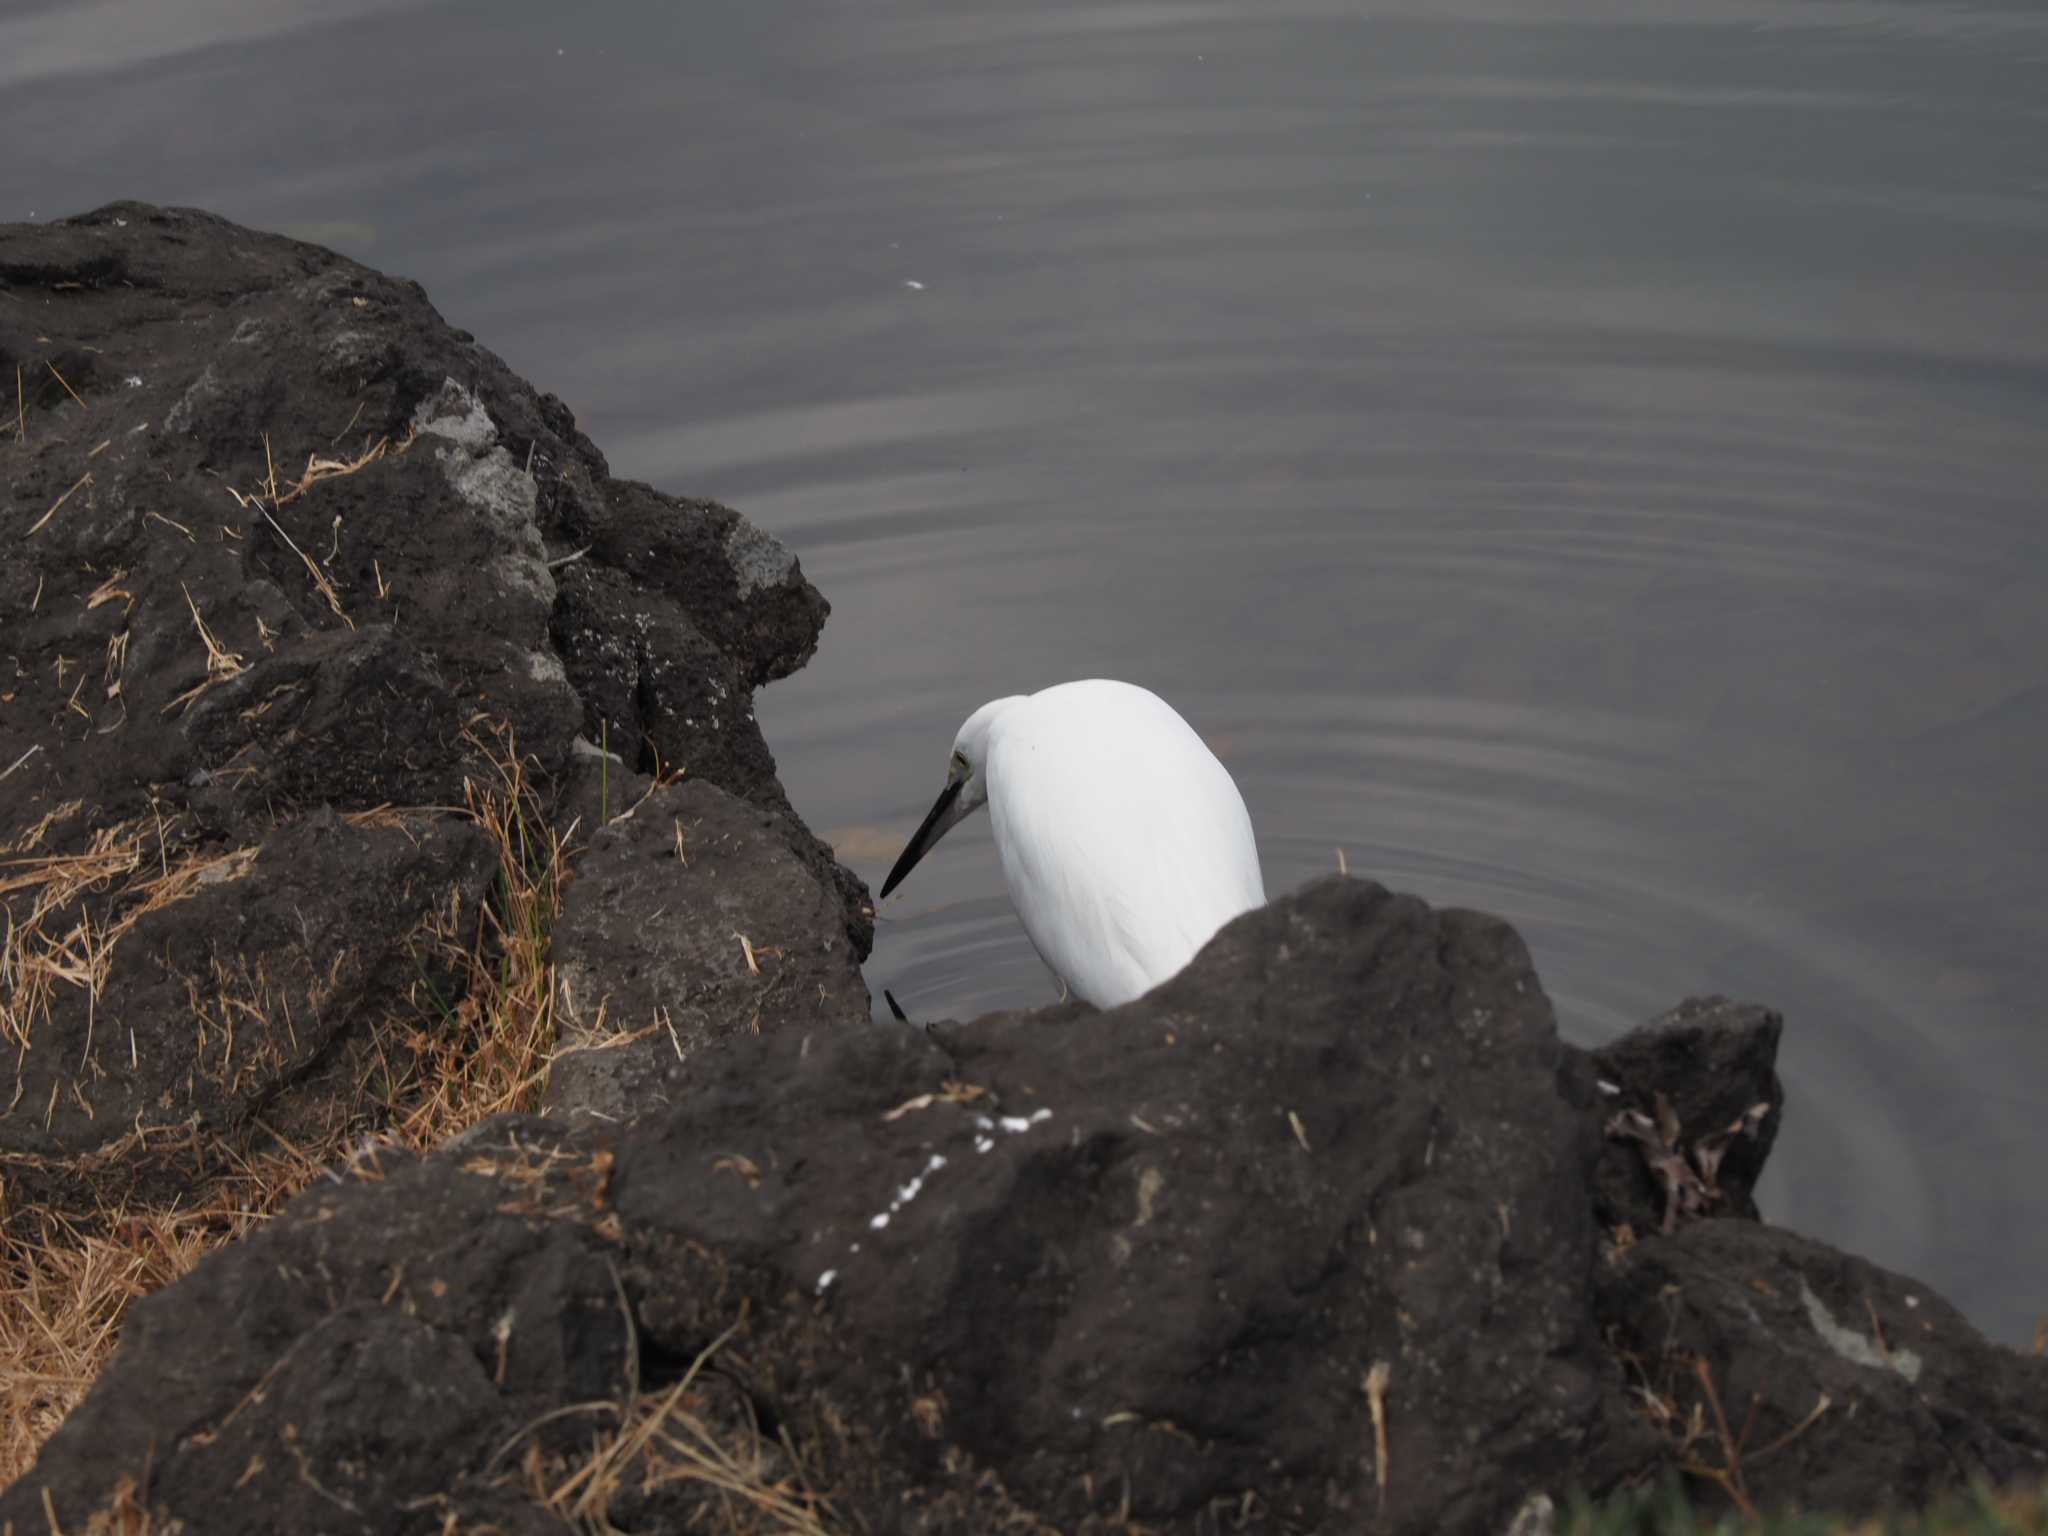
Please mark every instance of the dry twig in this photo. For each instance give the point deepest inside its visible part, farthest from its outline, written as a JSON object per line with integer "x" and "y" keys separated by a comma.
{"x": 1376, "y": 1382}
{"x": 84, "y": 479}
{"x": 74, "y": 394}
{"x": 221, "y": 663}
{"x": 317, "y": 469}
{"x": 950, "y": 1092}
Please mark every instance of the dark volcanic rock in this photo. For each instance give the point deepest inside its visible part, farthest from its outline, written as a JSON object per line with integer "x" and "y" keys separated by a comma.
{"x": 1700, "y": 1070}
{"x": 1329, "y": 1233}
{"x": 334, "y": 1385}
{"x": 1887, "y": 1395}
{"x": 1063, "y": 1269}
{"x": 1335, "y": 1140}
{"x": 285, "y": 540}
{"x": 210, "y": 360}
{"x": 640, "y": 658}
{"x": 1058, "y": 1271}
{"x": 242, "y": 990}
{"x": 689, "y": 921}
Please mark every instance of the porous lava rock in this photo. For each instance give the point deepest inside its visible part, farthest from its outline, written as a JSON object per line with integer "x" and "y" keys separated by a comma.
{"x": 1844, "y": 1387}
{"x": 1304, "y": 1240}
{"x": 689, "y": 921}
{"x": 243, "y": 993}
{"x": 1703, "y": 1077}
{"x": 1067, "y": 1271}
{"x": 295, "y": 565}
{"x": 1331, "y": 1232}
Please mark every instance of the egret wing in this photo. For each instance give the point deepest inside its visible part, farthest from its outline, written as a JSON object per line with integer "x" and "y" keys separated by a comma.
{"x": 1123, "y": 840}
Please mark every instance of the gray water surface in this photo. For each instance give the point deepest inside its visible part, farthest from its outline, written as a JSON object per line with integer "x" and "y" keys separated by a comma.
{"x": 1581, "y": 460}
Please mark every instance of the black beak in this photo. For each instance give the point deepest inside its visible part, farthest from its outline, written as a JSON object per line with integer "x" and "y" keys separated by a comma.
{"x": 928, "y": 832}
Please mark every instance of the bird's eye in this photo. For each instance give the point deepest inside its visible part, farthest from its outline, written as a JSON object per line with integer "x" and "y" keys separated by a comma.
{"x": 960, "y": 762}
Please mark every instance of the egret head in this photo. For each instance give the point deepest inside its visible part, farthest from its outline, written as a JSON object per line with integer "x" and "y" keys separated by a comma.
{"x": 966, "y": 789}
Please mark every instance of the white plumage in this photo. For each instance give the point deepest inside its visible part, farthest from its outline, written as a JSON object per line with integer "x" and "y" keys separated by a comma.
{"x": 1123, "y": 841}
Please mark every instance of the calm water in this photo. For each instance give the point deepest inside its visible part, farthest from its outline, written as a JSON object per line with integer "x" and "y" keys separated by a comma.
{"x": 1583, "y": 460}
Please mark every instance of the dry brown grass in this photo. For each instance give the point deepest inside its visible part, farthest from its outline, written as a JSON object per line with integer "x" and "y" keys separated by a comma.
{"x": 74, "y": 394}
{"x": 486, "y": 1051}
{"x": 319, "y": 467}
{"x": 222, "y": 664}
{"x": 64, "y": 938}
{"x": 38, "y": 525}
{"x": 674, "y": 1439}
{"x": 66, "y": 1285}
{"x": 67, "y": 1280}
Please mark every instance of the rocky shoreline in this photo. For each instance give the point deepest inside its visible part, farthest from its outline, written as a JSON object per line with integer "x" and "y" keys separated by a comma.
{"x": 1331, "y": 1232}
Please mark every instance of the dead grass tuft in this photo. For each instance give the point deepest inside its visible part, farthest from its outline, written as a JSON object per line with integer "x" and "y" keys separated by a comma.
{"x": 466, "y": 1050}
{"x": 221, "y": 664}
{"x": 678, "y": 1439}
{"x": 64, "y": 939}
{"x": 124, "y": 1515}
{"x": 319, "y": 467}
{"x": 110, "y": 589}
{"x": 66, "y": 1286}
{"x": 277, "y": 500}
{"x": 486, "y": 1052}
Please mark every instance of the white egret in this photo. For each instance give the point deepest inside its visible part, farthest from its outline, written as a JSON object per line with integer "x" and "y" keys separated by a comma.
{"x": 1124, "y": 843}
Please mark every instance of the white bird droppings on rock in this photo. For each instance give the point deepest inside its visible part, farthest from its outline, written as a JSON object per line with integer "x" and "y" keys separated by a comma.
{"x": 909, "y": 1192}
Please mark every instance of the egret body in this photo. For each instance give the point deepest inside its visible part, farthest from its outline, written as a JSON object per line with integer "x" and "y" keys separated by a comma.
{"x": 1124, "y": 843}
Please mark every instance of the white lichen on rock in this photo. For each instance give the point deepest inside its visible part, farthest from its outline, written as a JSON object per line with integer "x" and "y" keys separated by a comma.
{"x": 492, "y": 484}
{"x": 200, "y": 394}
{"x": 1853, "y": 1346}
{"x": 757, "y": 559}
{"x": 455, "y": 413}
{"x": 485, "y": 476}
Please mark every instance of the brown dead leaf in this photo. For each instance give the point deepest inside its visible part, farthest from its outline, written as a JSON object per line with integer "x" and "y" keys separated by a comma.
{"x": 1668, "y": 1128}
